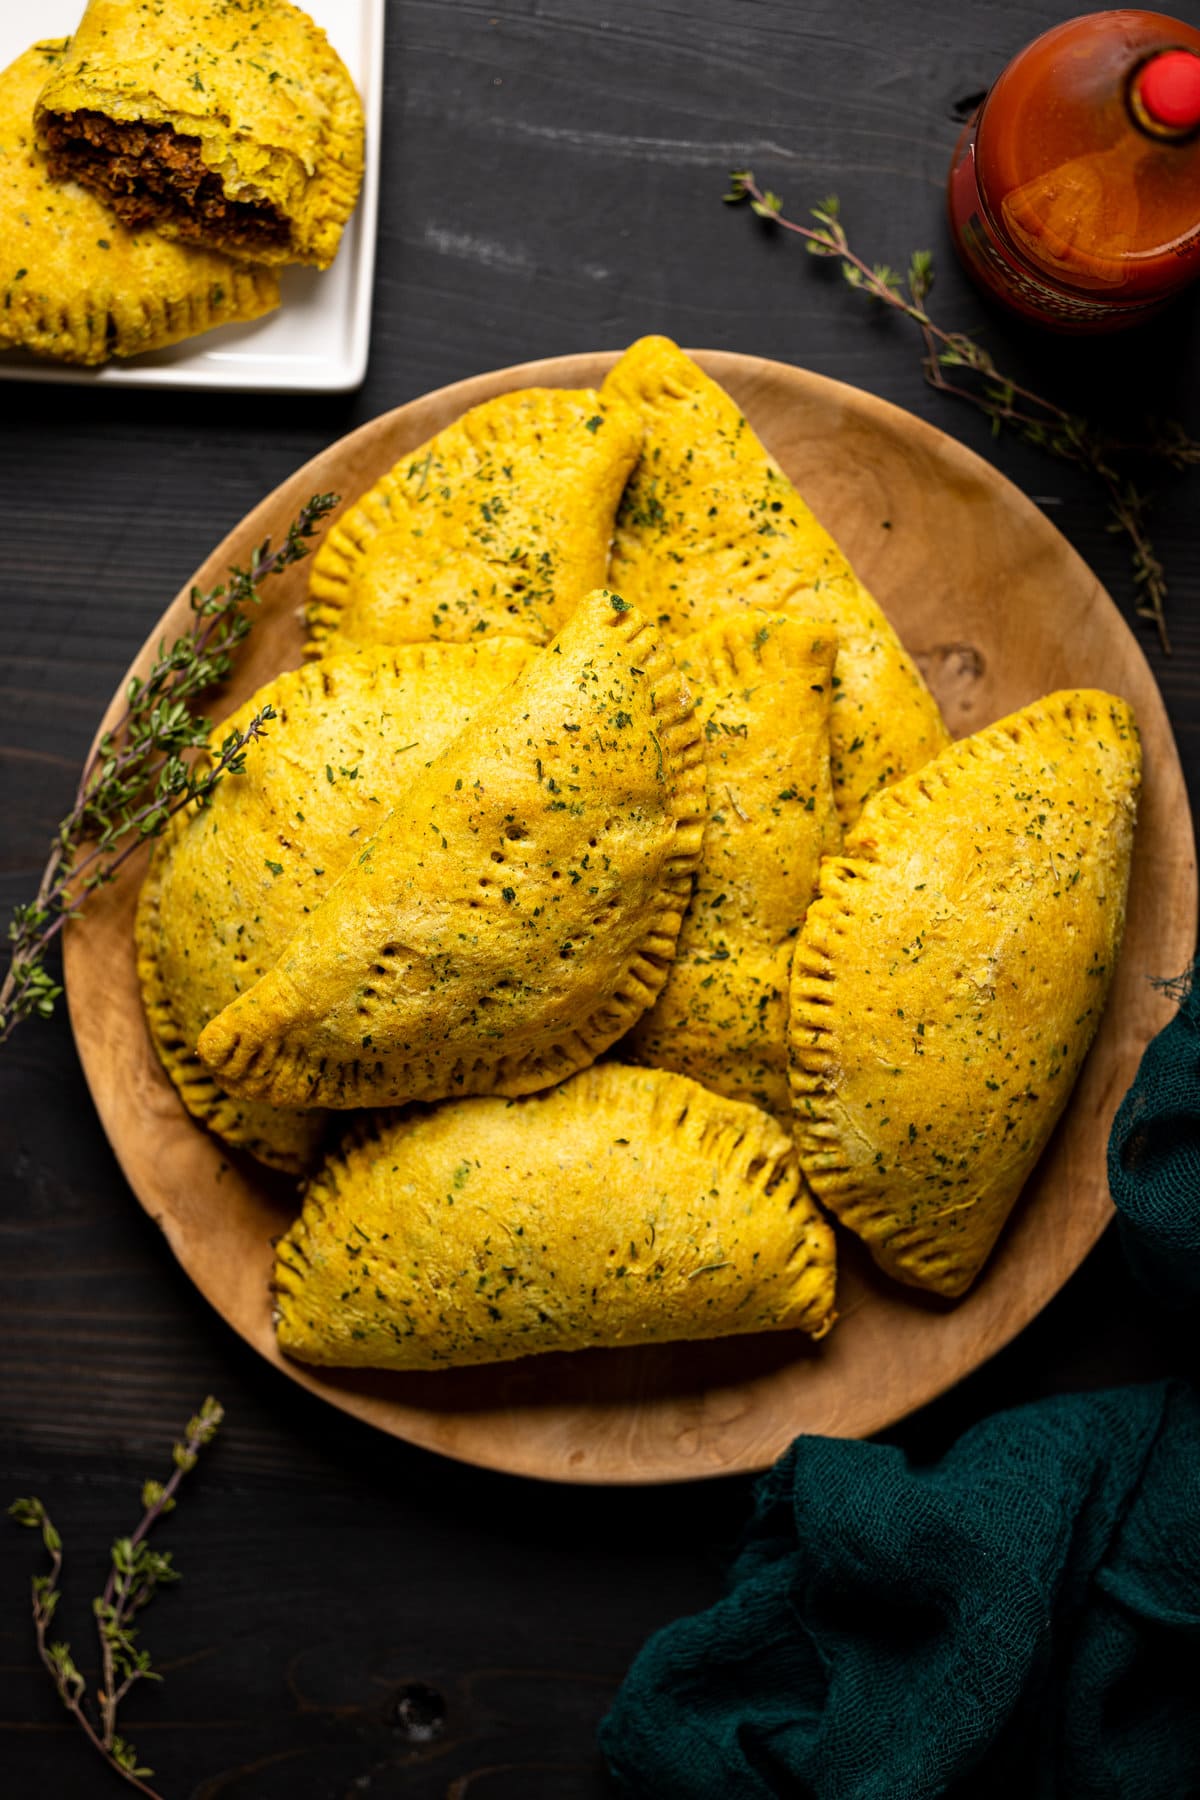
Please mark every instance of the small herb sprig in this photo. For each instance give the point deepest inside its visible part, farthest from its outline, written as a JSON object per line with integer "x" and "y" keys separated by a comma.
{"x": 1006, "y": 402}
{"x": 135, "y": 1575}
{"x": 140, "y": 774}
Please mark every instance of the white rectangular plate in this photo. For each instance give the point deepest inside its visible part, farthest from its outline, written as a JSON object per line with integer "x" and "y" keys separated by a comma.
{"x": 318, "y": 339}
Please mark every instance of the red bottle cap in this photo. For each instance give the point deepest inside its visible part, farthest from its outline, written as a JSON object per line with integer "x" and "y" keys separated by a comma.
{"x": 1168, "y": 86}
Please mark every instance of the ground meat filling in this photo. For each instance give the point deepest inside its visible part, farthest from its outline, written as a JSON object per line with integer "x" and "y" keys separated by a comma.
{"x": 148, "y": 173}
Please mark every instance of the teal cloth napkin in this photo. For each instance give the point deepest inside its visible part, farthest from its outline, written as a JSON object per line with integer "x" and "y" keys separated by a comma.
{"x": 1020, "y": 1619}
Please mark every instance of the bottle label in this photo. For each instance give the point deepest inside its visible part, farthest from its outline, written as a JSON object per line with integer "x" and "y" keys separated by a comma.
{"x": 1000, "y": 271}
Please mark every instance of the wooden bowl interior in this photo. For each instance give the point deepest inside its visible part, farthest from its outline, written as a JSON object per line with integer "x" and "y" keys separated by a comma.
{"x": 998, "y": 609}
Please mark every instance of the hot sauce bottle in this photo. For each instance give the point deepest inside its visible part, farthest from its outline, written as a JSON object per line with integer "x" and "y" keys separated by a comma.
{"x": 1075, "y": 190}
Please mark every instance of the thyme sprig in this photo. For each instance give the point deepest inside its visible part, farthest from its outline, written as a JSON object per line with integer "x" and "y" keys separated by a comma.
{"x": 140, "y": 773}
{"x": 135, "y": 1575}
{"x": 1008, "y": 403}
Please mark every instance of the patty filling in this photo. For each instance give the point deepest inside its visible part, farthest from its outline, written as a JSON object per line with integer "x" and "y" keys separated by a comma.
{"x": 149, "y": 174}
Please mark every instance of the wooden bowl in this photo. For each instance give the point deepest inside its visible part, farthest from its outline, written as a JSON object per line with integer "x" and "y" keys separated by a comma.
{"x": 998, "y": 609}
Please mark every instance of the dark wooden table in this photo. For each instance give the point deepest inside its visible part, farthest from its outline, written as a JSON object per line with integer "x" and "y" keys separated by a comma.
{"x": 358, "y": 1617}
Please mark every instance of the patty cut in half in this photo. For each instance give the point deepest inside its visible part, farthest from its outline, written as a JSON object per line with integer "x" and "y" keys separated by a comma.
{"x": 150, "y": 175}
{"x": 236, "y": 127}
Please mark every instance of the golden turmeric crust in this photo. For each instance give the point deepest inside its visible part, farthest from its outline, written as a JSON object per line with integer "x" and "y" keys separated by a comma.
{"x": 627, "y": 1206}
{"x": 74, "y": 283}
{"x": 710, "y": 523}
{"x": 281, "y": 1139}
{"x": 950, "y": 977}
{"x": 229, "y": 884}
{"x": 256, "y": 85}
{"x": 501, "y": 523}
{"x": 764, "y": 686}
{"x": 518, "y": 910}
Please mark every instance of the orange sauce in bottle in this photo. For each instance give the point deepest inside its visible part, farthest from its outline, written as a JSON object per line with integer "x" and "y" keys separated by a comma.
{"x": 1074, "y": 193}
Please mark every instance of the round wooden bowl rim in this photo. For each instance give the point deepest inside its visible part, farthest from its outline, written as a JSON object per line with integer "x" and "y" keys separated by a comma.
{"x": 494, "y": 1446}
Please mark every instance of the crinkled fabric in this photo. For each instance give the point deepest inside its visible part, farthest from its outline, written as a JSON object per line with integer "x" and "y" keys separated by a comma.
{"x": 1021, "y": 1618}
{"x": 1154, "y": 1162}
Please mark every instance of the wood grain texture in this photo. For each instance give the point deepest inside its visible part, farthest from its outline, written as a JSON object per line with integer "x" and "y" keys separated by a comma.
{"x": 550, "y": 180}
{"x": 963, "y": 564}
